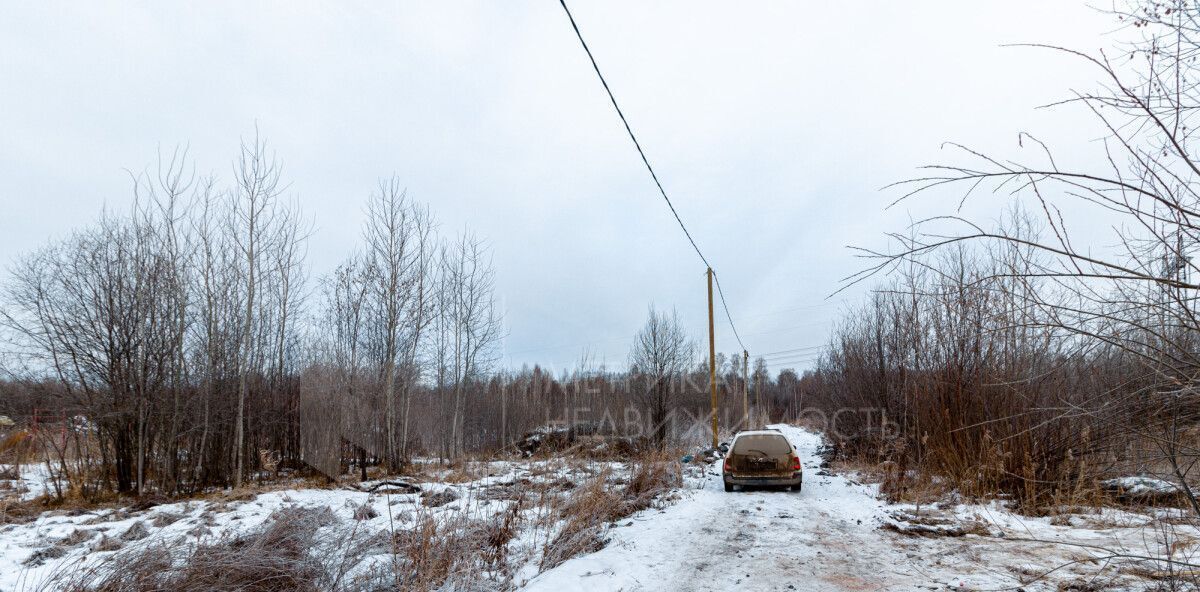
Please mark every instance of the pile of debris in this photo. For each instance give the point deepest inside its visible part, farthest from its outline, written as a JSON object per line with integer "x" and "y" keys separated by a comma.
{"x": 1142, "y": 489}
{"x": 930, "y": 523}
{"x": 590, "y": 439}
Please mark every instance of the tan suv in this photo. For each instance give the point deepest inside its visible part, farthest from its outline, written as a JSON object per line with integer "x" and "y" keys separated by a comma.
{"x": 762, "y": 458}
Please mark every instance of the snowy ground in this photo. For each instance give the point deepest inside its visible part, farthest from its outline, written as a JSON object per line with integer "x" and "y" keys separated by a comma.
{"x": 833, "y": 535}
{"x": 828, "y": 537}
{"x": 32, "y": 553}
{"x": 34, "y": 482}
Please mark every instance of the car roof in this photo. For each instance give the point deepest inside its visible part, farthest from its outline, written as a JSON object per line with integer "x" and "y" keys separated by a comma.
{"x": 759, "y": 433}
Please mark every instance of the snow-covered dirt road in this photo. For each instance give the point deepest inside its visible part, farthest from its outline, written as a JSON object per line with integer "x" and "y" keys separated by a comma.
{"x": 827, "y": 537}
{"x": 750, "y": 540}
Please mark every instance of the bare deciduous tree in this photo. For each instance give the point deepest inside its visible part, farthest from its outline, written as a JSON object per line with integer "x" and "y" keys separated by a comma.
{"x": 467, "y": 322}
{"x": 399, "y": 255}
{"x": 258, "y": 222}
{"x": 662, "y": 353}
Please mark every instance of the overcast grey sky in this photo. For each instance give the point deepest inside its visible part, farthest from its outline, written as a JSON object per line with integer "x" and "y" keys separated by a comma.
{"x": 772, "y": 125}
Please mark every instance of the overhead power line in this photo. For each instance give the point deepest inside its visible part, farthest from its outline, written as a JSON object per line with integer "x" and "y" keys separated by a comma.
{"x": 628, "y": 129}
{"x": 728, "y": 316}
{"x": 793, "y": 357}
{"x": 646, "y": 161}
{"x": 782, "y": 352}
{"x": 796, "y": 362}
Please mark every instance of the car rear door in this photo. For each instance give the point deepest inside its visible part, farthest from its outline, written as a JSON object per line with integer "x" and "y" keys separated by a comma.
{"x": 761, "y": 455}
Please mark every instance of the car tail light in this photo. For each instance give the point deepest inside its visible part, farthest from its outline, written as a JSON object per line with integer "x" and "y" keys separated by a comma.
{"x": 795, "y": 463}
{"x": 728, "y": 466}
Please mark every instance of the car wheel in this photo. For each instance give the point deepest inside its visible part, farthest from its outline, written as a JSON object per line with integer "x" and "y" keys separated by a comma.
{"x": 728, "y": 487}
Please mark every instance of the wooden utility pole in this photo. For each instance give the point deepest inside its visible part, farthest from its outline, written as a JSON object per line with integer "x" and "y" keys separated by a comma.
{"x": 712, "y": 360}
{"x": 745, "y": 390}
{"x": 758, "y": 404}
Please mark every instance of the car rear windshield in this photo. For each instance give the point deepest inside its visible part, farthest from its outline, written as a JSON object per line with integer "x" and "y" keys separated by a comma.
{"x": 764, "y": 444}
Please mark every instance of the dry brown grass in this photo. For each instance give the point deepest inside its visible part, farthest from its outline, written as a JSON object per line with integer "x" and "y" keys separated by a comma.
{"x": 591, "y": 507}
{"x": 311, "y": 549}
{"x": 909, "y": 486}
{"x": 584, "y": 515}
{"x": 1073, "y": 484}
{"x": 450, "y": 551}
{"x": 286, "y": 554}
{"x": 15, "y": 511}
{"x": 650, "y": 476}
{"x": 458, "y": 474}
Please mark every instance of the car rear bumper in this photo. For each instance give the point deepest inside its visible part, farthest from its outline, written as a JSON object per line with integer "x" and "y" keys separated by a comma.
{"x": 794, "y": 479}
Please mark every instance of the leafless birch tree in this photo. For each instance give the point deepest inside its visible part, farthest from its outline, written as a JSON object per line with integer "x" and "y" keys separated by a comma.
{"x": 398, "y": 238}
{"x": 662, "y": 353}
